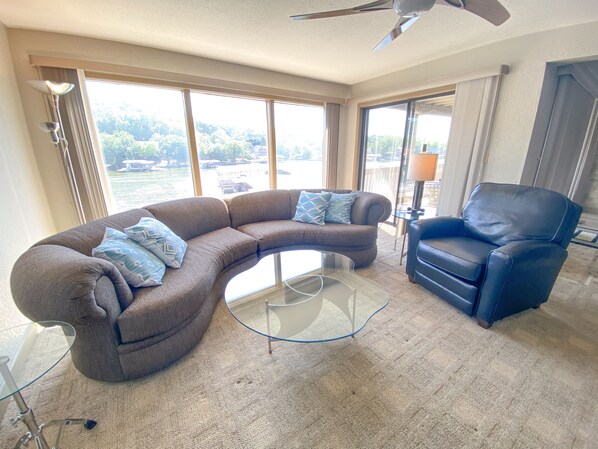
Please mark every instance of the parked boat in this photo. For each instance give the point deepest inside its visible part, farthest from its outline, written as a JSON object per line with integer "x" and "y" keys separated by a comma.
{"x": 138, "y": 165}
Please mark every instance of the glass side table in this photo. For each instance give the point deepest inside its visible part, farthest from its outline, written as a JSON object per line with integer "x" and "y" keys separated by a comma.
{"x": 407, "y": 217}
{"x": 45, "y": 344}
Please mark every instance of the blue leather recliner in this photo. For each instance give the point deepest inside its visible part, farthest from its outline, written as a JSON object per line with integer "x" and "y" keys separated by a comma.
{"x": 501, "y": 257}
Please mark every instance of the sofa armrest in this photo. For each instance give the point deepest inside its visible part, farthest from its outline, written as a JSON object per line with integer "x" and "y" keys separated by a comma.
{"x": 370, "y": 209}
{"x": 519, "y": 276}
{"x": 429, "y": 228}
{"x": 67, "y": 287}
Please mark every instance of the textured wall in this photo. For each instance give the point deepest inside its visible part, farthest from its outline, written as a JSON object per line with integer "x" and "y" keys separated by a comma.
{"x": 518, "y": 99}
{"x": 24, "y": 215}
{"x": 181, "y": 67}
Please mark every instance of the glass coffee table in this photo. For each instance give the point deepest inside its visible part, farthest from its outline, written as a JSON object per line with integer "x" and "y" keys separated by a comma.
{"x": 304, "y": 296}
{"x": 43, "y": 345}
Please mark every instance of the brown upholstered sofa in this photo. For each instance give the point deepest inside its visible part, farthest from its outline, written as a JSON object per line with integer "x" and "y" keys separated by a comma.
{"x": 125, "y": 333}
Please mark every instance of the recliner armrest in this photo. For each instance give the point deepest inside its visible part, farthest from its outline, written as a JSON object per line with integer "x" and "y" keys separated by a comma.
{"x": 519, "y": 276}
{"x": 429, "y": 228}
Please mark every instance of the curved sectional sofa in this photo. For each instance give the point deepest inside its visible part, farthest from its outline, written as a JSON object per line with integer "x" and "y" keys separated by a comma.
{"x": 123, "y": 332}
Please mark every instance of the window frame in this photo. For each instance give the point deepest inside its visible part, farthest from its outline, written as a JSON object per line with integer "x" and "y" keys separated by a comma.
{"x": 363, "y": 120}
{"x": 186, "y": 90}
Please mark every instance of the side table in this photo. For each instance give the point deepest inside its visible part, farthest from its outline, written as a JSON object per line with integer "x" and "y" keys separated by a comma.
{"x": 52, "y": 340}
{"x": 407, "y": 217}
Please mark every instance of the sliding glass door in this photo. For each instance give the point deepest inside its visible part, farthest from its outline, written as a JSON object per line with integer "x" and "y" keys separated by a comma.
{"x": 391, "y": 133}
{"x": 383, "y": 144}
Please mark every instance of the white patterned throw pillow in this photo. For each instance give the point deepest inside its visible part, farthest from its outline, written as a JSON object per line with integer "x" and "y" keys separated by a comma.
{"x": 156, "y": 237}
{"x": 138, "y": 266}
{"x": 311, "y": 207}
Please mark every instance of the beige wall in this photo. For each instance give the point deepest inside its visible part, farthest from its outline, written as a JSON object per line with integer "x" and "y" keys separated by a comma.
{"x": 509, "y": 142}
{"x": 518, "y": 99}
{"x": 173, "y": 66}
{"x": 24, "y": 213}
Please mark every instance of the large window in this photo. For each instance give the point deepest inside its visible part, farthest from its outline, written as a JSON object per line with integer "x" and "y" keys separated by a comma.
{"x": 143, "y": 142}
{"x": 232, "y": 144}
{"x": 144, "y": 135}
{"x": 390, "y": 133}
{"x": 299, "y": 140}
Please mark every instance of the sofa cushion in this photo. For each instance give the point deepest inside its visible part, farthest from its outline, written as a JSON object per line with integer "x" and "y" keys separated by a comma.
{"x": 259, "y": 206}
{"x": 138, "y": 266}
{"x": 311, "y": 207}
{"x": 295, "y": 193}
{"x": 281, "y": 233}
{"x": 339, "y": 208}
{"x": 192, "y": 217}
{"x": 86, "y": 237}
{"x": 155, "y": 311}
{"x": 156, "y": 237}
{"x": 461, "y": 256}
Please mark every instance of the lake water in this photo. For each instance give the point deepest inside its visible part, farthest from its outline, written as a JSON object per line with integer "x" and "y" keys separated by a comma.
{"x": 130, "y": 189}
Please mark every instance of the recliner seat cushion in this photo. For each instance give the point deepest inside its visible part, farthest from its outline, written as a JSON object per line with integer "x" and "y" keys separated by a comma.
{"x": 157, "y": 310}
{"x": 280, "y": 233}
{"x": 461, "y": 256}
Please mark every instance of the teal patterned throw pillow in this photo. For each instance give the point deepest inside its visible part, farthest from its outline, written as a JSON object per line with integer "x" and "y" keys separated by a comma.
{"x": 311, "y": 207}
{"x": 156, "y": 237}
{"x": 139, "y": 267}
{"x": 339, "y": 208}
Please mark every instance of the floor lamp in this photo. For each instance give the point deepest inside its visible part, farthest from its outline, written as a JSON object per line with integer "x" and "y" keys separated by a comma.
{"x": 422, "y": 168}
{"x": 54, "y": 90}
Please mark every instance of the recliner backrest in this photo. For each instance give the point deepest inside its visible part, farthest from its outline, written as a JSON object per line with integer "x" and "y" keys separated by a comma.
{"x": 503, "y": 213}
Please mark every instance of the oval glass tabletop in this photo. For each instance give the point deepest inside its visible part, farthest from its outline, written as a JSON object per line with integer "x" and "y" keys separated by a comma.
{"x": 304, "y": 296}
{"x": 43, "y": 344}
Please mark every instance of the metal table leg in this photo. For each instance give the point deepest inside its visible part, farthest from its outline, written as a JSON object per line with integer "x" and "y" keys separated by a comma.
{"x": 403, "y": 245}
{"x": 35, "y": 431}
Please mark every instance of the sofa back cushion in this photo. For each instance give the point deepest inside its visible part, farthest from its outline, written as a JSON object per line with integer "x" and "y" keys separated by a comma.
{"x": 192, "y": 217}
{"x": 86, "y": 237}
{"x": 503, "y": 213}
{"x": 255, "y": 207}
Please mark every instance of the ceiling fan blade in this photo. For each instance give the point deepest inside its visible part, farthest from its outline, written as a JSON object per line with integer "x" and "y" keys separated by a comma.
{"x": 379, "y": 5}
{"x": 490, "y": 10}
{"x": 402, "y": 25}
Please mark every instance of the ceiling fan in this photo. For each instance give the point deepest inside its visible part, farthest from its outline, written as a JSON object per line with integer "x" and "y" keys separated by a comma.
{"x": 411, "y": 10}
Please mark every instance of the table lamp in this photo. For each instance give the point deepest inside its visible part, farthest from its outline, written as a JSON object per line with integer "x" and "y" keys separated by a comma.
{"x": 422, "y": 168}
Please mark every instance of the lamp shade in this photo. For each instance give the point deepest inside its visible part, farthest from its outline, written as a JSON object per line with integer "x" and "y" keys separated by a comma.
{"x": 51, "y": 87}
{"x": 422, "y": 167}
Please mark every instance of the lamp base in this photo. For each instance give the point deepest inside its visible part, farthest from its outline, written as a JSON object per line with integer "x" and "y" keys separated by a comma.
{"x": 418, "y": 193}
{"x": 416, "y": 213}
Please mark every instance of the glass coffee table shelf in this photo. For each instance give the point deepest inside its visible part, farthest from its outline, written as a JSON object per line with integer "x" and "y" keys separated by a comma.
{"x": 304, "y": 296}
{"x": 44, "y": 344}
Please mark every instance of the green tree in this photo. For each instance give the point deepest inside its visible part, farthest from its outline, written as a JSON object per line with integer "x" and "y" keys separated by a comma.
{"x": 173, "y": 148}
{"x": 116, "y": 148}
{"x": 144, "y": 150}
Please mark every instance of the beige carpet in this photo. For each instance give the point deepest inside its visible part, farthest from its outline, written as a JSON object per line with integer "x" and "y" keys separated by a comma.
{"x": 420, "y": 375}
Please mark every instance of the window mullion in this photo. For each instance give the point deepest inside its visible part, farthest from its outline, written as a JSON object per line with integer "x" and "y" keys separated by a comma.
{"x": 271, "y": 143}
{"x": 193, "y": 153}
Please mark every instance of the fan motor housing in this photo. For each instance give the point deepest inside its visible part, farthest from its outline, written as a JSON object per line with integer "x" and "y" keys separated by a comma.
{"x": 406, "y": 8}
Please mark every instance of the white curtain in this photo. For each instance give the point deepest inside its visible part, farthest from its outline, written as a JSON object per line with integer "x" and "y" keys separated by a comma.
{"x": 475, "y": 102}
